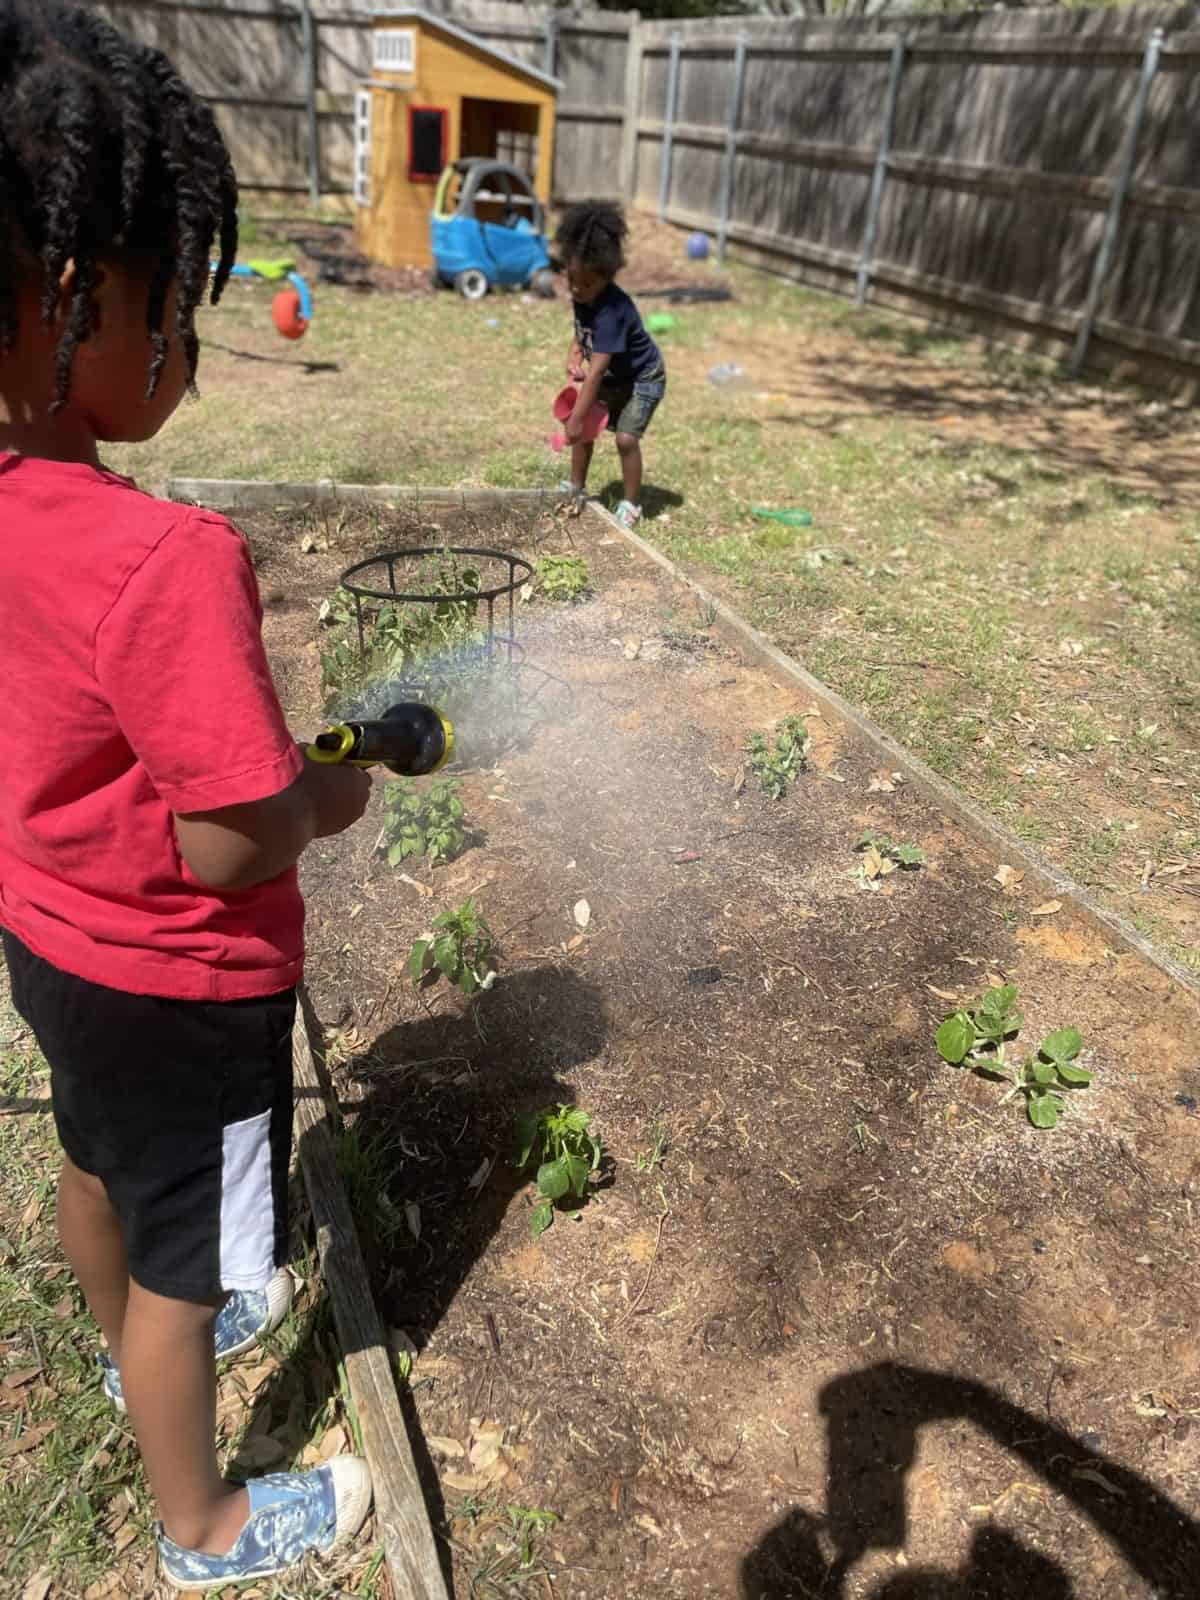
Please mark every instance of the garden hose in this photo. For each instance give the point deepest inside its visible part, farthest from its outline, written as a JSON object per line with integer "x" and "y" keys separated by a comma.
{"x": 410, "y": 739}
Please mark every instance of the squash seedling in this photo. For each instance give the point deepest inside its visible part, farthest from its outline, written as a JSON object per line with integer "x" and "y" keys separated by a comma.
{"x": 881, "y": 857}
{"x": 459, "y": 947}
{"x": 778, "y": 762}
{"x": 979, "y": 1036}
{"x": 562, "y": 578}
{"x": 567, "y": 1156}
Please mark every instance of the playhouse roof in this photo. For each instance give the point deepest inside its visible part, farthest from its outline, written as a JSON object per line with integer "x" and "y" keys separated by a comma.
{"x": 397, "y": 13}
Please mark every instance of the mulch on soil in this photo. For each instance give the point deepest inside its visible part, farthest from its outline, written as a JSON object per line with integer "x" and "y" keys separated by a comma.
{"x": 841, "y": 1323}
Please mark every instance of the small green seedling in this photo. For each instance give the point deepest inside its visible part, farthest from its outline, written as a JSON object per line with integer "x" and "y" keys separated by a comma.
{"x": 459, "y": 947}
{"x": 979, "y": 1036}
{"x": 880, "y": 857}
{"x": 567, "y": 1156}
{"x": 778, "y": 762}
{"x": 527, "y": 1522}
{"x": 428, "y": 824}
{"x": 561, "y": 578}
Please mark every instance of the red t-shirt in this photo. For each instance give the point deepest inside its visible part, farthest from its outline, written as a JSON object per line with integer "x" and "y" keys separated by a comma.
{"x": 135, "y": 686}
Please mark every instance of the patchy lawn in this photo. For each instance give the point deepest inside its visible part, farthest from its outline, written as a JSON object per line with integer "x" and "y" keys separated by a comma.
{"x": 75, "y": 1516}
{"x": 1002, "y": 567}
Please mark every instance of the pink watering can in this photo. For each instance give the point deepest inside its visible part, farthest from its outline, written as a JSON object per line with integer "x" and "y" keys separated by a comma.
{"x": 593, "y": 424}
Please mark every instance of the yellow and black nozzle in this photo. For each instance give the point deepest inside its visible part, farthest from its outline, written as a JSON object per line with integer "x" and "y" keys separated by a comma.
{"x": 410, "y": 739}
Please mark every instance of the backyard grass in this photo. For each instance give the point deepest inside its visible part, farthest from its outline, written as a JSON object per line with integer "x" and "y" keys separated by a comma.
{"x": 75, "y": 1515}
{"x": 1002, "y": 567}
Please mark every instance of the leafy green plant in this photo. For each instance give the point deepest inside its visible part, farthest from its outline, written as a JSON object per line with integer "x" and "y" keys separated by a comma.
{"x": 904, "y": 855}
{"x": 979, "y": 1036}
{"x": 527, "y": 1522}
{"x": 567, "y": 1156}
{"x": 880, "y": 858}
{"x": 428, "y": 824}
{"x": 778, "y": 762}
{"x": 561, "y": 577}
{"x": 399, "y": 635}
{"x": 459, "y": 947}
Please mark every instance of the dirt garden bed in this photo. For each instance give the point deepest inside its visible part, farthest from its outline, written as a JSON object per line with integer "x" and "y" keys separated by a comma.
{"x": 838, "y": 1321}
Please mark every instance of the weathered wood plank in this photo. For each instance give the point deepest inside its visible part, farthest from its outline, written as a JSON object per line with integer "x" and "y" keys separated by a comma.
{"x": 400, "y": 1514}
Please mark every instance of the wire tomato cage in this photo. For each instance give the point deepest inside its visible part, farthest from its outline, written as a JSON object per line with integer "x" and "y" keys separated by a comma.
{"x": 374, "y": 581}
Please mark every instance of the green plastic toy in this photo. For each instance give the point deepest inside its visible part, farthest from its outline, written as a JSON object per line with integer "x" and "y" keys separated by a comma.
{"x": 790, "y": 516}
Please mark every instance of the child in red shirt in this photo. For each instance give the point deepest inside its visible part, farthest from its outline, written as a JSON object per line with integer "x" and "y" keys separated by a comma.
{"x": 152, "y": 802}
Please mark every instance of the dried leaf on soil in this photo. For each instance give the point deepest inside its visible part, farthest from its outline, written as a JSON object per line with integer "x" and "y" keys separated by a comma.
{"x": 450, "y": 1448}
{"x": 1009, "y": 879}
{"x": 38, "y": 1586}
{"x": 1047, "y": 908}
{"x": 27, "y": 1440}
{"x": 583, "y": 913}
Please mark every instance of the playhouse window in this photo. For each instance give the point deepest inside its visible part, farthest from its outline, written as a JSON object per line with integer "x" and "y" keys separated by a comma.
{"x": 426, "y": 143}
{"x": 362, "y": 147}
{"x": 395, "y": 49}
{"x": 520, "y": 150}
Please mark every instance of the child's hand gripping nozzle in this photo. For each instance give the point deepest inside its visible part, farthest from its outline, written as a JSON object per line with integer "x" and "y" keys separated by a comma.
{"x": 410, "y": 739}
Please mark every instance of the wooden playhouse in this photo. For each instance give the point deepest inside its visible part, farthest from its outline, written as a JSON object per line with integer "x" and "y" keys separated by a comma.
{"x": 436, "y": 94}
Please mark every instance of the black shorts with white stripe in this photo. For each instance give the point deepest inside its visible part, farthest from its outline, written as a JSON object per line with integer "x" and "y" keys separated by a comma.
{"x": 183, "y": 1110}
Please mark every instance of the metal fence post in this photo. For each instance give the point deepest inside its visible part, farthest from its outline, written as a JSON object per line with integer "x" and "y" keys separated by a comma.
{"x": 1116, "y": 204}
{"x": 731, "y": 138}
{"x": 550, "y": 32}
{"x": 308, "y": 33}
{"x": 664, "y": 175}
{"x": 878, "y": 175}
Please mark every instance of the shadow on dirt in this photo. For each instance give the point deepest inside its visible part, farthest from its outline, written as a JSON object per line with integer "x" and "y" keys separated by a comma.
{"x": 433, "y": 1103}
{"x": 873, "y": 1419}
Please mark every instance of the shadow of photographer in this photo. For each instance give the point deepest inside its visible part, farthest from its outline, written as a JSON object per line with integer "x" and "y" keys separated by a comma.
{"x": 873, "y": 1419}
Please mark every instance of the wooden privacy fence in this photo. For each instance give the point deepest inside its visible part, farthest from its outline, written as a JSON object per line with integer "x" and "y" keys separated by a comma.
{"x": 281, "y": 79}
{"x": 995, "y": 167}
{"x": 1031, "y": 171}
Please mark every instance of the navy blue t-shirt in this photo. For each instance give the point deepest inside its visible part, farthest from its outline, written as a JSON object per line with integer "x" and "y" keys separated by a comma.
{"x": 612, "y": 325}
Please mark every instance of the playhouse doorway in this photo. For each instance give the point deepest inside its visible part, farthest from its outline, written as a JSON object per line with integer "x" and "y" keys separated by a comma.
{"x": 502, "y": 130}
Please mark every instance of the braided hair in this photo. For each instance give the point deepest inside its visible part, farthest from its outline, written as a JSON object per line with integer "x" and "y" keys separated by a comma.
{"x": 593, "y": 234}
{"x": 105, "y": 153}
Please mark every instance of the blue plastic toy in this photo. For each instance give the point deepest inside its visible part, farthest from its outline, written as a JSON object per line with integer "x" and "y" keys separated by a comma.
{"x": 476, "y": 253}
{"x": 697, "y": 247}
{"x": 291, "y": 309}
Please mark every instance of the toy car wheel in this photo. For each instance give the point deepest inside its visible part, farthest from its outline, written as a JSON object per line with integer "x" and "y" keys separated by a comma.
{"x": 542, "y": 283}
{"x": 472, "y": 284}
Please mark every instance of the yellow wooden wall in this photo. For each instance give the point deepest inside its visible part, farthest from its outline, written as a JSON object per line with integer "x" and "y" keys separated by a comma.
{"x": 394, "y": 228}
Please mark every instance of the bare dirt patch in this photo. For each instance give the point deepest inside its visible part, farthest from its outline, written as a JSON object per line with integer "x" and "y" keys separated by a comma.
{"x": 839, "y": 1323}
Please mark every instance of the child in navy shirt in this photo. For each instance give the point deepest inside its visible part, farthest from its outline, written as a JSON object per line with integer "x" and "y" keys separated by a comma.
{"x": 612, "y": 358}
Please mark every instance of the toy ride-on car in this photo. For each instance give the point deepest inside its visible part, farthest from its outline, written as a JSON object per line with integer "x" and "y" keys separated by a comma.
{"x": 486, "y": 230}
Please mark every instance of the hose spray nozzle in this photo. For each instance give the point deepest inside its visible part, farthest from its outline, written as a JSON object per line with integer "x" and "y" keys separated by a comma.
{"x": 410, "y": 739}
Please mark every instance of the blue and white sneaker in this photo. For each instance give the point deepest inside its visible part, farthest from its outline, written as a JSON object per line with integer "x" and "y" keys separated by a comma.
{"x": 628, "y": 515}
{"x": 291, "y": 1513}
{"x": 245, "y": 1318}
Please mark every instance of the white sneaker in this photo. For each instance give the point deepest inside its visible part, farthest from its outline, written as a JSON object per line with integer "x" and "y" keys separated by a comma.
{"x": 628, "y": 515}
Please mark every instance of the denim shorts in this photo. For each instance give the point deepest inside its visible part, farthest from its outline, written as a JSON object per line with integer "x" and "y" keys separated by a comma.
{"x": 631, "y": 403}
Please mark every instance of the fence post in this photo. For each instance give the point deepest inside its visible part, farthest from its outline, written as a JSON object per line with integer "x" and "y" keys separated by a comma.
{"x": 550, "y": 34}
{"x": 308, "y": 32}
{"x": 633, "y": 108}
{"x": 664, "y": 174}
{"x": 1116, "y": 204}
{"x": 731, "y": 135}
{"x": 879, "y": 174}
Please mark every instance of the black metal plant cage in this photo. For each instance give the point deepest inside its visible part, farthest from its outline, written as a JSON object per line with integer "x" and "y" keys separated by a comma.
{"x": 366, "y": 580}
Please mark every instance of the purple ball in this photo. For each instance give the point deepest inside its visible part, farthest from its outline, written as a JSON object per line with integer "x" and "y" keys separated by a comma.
{"x": 697, "y": 247}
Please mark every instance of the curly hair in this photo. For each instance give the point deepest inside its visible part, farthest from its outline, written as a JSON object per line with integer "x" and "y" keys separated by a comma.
{"x": 105, "y": 153}
{"x": 593, "y": 234}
